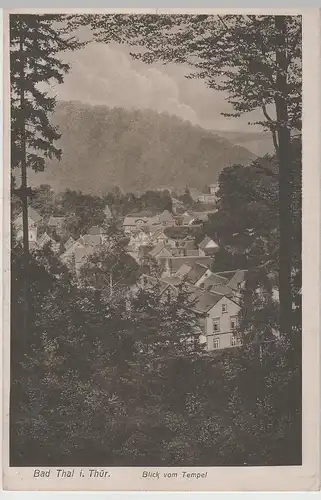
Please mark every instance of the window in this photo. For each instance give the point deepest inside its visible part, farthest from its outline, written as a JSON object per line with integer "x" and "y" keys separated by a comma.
{"x": 233, "y": 341}
{"x": 224, "y": 308}
{"x": 216, "y": 343}
{"x": 233, "y": 324}
{"x": 216, "y": 325}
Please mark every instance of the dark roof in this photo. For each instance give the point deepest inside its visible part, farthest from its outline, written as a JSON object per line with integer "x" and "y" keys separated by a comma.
{"x": 69, "y": 243}
{"x": 92, "y": 239}
{"x": 144, "y": 250}
{"x": 204, "y": 301}
{"x": 145, "y": 279}
{"x": 44, "y": 239}
{"x": 195, "y": 273}
{"x": 55, "y": 220}
{"x": 81, "y": 253}
{"x": 157, "y": 233}
{"x": 143, "y": 213}
{"x": 160, "y": 248}
{"x": 226, "y": 274}
{"x": 202, "y": 216}
{"x": 172, "y": 280}
{"x": 180, "y": 232}
{"x": 183, "y": 270}
{"x": 234, "y": 277}
{"x": 166, "y": 216}
{"x": 95, "y": 230}
{"x": 214, "y": 280}
{"x": 238, "y": 278}
{"x": 175, "y": 263}
{"x": 131, "y": 221}
{"x": 222, "y": 290}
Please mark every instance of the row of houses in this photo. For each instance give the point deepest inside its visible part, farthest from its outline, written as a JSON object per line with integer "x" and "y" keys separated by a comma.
{"x": 73, "y": 253}
{"x": 150, "y": 222}
{"x": 165, "y": 236}
{"x": 215, "y": 295}
{"x": 35, "y": 220}
{"x": 207, "y": 196}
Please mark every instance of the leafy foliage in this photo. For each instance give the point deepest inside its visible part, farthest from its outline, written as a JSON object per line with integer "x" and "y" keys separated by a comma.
{"x": 243, "y": 64}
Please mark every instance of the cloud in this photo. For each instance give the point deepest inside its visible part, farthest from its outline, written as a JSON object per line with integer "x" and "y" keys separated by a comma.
{"x": 107, "y": 74}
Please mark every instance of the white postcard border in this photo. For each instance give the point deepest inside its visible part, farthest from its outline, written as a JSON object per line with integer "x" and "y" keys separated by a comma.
{"x": 294, "y": 478}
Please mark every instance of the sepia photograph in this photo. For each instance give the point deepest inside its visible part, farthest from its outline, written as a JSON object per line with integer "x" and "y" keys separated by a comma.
{"x": 156, "y": 240}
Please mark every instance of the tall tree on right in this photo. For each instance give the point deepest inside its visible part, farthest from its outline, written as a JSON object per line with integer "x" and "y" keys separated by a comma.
{"x": 255, "y": 61}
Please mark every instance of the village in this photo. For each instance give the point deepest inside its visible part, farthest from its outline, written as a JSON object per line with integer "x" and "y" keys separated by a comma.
{"x": 170, "y": 240}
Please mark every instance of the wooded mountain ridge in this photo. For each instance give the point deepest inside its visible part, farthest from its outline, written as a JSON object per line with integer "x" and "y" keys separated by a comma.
{"x": 136, "y": 150}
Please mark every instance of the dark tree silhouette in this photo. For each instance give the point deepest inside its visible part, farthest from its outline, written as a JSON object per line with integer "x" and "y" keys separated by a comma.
{"x": 35, "y": 41}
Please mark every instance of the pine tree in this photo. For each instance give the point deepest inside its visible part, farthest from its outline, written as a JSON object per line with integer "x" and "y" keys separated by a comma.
{"x": 35, "y": 43}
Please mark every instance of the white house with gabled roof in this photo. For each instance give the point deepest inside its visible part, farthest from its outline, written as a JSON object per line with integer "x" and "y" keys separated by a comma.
{"x": 218, "y": 319}
{"x": 34, "y": 219}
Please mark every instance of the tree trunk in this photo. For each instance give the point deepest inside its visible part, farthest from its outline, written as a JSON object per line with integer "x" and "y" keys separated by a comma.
{"x": 285, "y": 181}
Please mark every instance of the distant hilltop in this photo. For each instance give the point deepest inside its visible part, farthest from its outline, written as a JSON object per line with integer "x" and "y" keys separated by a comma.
{"x": 136, "y": 150}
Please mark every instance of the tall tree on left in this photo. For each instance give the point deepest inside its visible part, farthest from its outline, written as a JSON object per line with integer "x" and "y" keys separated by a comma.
{"x": 35, "y": 44}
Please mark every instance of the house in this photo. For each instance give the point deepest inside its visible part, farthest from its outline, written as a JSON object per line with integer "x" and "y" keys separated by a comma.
{"x": 209, "y": 195}
{"x": 180, "y": 233}
{"x": 147, "y": 282}
{"x": 160, "y": 251}
{"x": 182, "y": 271}
{"x": 148, "y": 220}
{"x": 138, "y": 237}
{"x": 185, "y": 247}
{"x": 208, "y": 246}
{"x": 133, "y": 222}
{"x": 158, "y": 236}
{"x": 93, "y": 240}
{"x": 80, "y": 255}
{"x": 213, "y": 188}
{"x": 219, "y": 319}
{"x": 75, "y": 256}
{"x": 173, "y": 264}
{"x": 218, "y": 314}
{"x": 108, "y": 213}
{"x": 45, "y": 239}
{"x": 167, "y": 219}
{"x": 34, "y": 219}
{"x": 69, "y": 243}
{"x": 197, "y": 272}
{"x": 56, "y": 223}
{"x": 68, "y": 257}
{"x": 195, "y": 193}
{"x": 212, "y": 280}
{"x": 187, "y": 219}
{"x": 201, "y": 217}
{"x": 95, "y": 230}
{"x": 235, "y": 279}
{"x": 177, "y": 206}
{"x": 207, "y": 199}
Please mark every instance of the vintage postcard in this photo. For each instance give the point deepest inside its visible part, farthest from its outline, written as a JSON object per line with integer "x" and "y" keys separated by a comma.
{"x": 161, "y": 249}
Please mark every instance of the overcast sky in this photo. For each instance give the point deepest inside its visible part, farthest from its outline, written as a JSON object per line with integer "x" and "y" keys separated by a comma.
{"x": 106, "y": 74}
